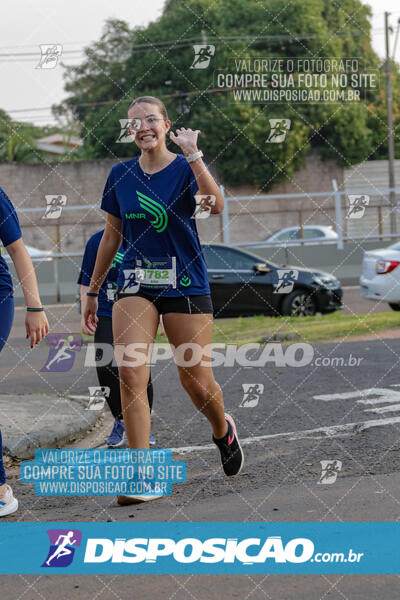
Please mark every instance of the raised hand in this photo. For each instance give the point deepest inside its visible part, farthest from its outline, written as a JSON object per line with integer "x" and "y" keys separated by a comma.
{"x": 186, "y": 139}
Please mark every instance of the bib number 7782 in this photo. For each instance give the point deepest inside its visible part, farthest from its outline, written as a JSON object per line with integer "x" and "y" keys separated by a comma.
{"x": 153, "y": 276}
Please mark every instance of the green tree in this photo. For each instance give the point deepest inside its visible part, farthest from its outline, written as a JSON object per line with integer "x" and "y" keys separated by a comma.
{"x": 5, "y": 126}
{"x": 17, "y": 140}
{"x": 156, "y": 60}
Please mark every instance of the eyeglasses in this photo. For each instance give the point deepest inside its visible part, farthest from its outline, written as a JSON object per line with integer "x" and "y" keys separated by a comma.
{"x": 136, "y": 124}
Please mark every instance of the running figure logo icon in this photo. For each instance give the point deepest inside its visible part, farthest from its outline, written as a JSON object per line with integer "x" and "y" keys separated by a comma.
{"x": 62, "y": 352}
{"x": 54, "y": 206}
{"x": 251, "y": 394}
{"x": 204, "y": 204}
{"x": 127, "y": 134}
{"x": 97, "y": 397}
{"x": 63, "y": 543}
{"x": 50, "y": 55}
{"x": 279, "y": 129}
{"x": 357, "y": 206}
{"x": 130, "y": 286}
{"x": 287, "y": 279}
{"x": 330, "y": 470}
{"x": 203, "y": 54}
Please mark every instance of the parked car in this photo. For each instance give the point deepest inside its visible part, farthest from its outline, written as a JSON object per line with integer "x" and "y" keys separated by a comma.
{"x": 380, "y": 278}
{"x": 243, "y": 284}
{"x": 311, "y": 233}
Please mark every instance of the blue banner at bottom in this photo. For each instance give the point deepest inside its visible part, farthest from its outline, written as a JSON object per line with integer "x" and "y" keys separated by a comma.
{"x": 195, "y": 548}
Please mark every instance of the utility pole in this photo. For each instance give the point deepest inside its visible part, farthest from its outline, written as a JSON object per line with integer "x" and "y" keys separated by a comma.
{"x": 393, "y": 204}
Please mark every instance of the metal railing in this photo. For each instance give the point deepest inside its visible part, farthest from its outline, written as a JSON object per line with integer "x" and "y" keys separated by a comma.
{"x": 338, "y": 201}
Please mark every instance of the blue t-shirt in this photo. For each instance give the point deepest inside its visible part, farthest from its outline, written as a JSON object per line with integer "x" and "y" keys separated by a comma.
{"x": 163, "y": 254}
{"x": 10, "y": 232}
{"x": 109, "y": 286}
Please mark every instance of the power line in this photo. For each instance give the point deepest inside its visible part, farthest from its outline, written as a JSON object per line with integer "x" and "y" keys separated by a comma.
{"x": 83, "y": 43}
{"x": 30, "y": 109}
{"x": 185, "y": 42}
{"x": 35, "y": 54}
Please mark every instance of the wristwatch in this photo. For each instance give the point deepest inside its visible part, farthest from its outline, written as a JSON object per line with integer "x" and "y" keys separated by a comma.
{"x": 194, "y": 156}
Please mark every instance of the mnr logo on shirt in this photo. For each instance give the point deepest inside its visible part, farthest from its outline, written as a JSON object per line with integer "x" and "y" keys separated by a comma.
{"x": 135, "y": 216}
{"x": 152, "y": 208}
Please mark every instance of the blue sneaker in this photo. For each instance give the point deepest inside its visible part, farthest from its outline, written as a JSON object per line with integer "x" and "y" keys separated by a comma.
{"x": 118, "y": 435}
{"x": 152, "y": 440}
{"x": 147, "y": 492}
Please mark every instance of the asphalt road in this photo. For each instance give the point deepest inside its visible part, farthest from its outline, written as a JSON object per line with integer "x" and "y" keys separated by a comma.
{"x": 299, "y": 420}
{"x": 65, "y": 319}
{"x": 329, "y": 409}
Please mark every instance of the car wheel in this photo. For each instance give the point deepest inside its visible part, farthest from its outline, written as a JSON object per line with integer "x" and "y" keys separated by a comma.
{"x": 394, "y": 306}
{"x": 299, "y": 304}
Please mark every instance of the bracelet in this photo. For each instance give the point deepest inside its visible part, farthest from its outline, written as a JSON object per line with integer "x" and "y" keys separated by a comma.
{"x": 94, "y": 294}
{"x": 194, "y": 156}
{"x": 34, "y": 309}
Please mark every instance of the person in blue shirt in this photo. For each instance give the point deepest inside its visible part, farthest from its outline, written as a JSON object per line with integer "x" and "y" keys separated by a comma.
{"x": 36, "y": 323}
{"x": 107, "y": 373}
{"x": 150, "y": 203}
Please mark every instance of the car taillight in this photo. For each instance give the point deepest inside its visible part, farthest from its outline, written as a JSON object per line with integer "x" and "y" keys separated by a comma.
{"x": 385, "y": 266}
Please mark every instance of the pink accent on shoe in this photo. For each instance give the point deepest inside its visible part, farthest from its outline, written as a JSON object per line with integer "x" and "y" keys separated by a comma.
{"x": 231, "y": 437}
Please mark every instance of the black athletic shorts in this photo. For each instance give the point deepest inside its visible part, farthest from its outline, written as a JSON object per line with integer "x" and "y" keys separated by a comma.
{"x": 192, "y": 305}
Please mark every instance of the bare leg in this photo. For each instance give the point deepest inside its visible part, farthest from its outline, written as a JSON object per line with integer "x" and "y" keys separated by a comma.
{"x": 135, "y": 320}
{"x": 198, "y": 380}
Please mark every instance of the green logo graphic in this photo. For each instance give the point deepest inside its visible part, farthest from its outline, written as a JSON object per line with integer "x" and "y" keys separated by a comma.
{"x": 147, "y": 262}
{"x": 135, "y": 216}
{"x": 119, "y": 257}
{"x": 185, "y": 281}
{"x": 160, "y": 220}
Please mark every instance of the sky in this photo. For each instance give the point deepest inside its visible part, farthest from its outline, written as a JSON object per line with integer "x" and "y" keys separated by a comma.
{"x": 27, "y": 93}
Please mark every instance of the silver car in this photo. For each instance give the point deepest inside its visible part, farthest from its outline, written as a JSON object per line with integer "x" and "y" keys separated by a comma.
{"x": 291, "y": 236}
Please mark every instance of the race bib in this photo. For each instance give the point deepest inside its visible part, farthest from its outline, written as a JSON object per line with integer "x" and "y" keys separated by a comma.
{"x": 156, "y": 272}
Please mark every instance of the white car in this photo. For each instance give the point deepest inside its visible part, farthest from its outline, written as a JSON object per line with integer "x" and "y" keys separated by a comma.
{"x": 311, "y": 233}
{"x": 380, "y": 278}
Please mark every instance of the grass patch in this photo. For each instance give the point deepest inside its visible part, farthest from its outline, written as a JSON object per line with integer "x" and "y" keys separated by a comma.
{"x": 243, "y": 330}
{"x": 310, "y": 329}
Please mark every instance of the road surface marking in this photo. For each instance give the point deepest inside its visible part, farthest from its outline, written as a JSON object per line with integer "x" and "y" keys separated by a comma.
{"x": 380, "y": 396}
{"x": 383, "y": 409}
{"x": 384, "y": 395}
{"x": 330, "y": 431}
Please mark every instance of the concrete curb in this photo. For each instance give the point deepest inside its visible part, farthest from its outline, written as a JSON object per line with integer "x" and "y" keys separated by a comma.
{"x": 29, "y": 422}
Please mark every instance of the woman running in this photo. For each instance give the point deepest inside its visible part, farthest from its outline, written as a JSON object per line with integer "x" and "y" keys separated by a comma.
{"x": 36, "y": 322}
{"x": 107, "y": 374}
{"x": 150, "y": 202}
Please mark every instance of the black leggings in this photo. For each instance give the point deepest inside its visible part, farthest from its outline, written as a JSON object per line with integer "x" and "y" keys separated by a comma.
{"x": 108, "y": 375}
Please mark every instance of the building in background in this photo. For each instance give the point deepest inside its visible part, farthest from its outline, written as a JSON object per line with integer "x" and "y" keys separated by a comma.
{"x": 57, "y": 144}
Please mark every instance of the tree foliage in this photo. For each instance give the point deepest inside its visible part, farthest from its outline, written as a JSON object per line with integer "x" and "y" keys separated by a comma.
{"x": 17, "y": 140}
{"x": 156, "y": 60}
